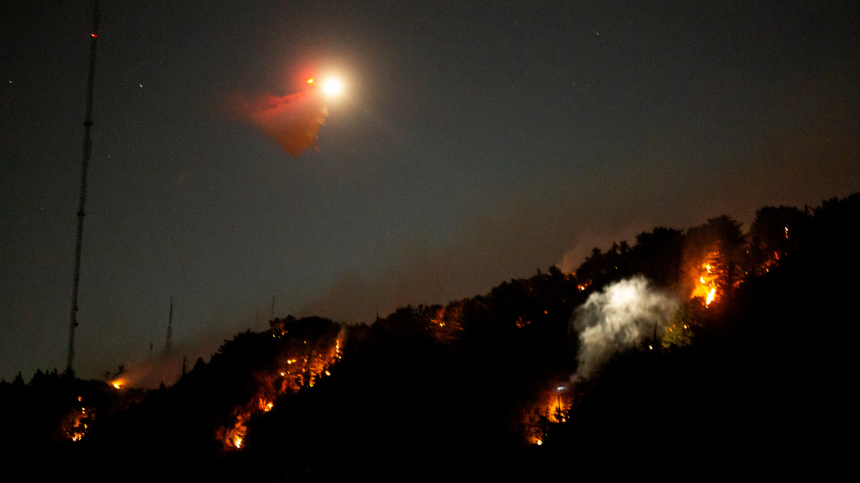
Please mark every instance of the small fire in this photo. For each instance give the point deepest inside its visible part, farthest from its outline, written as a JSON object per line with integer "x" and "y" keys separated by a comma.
{"x": 558, "y": 410}
{"x": 118, "y": 384}
{"x": 266, "y": 406}
{"x": 706, "y": 286}
{"x": 233, "y": 437}
{"x": 75, "y": 426}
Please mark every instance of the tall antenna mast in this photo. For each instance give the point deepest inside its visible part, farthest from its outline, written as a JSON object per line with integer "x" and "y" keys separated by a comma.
{"x": 88, "y": 123}
{"x": 170, "y": 324}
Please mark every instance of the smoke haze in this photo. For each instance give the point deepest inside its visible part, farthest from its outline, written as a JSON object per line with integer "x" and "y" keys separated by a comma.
{"x": 293, "y": 121}
{"x": 620, "y": 316}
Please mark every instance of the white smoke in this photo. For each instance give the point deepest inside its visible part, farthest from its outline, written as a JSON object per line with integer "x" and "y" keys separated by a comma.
{"x": 621, "y": 315}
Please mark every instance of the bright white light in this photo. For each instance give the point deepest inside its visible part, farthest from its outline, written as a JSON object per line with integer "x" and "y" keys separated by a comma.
{"x": 332, "y": 87}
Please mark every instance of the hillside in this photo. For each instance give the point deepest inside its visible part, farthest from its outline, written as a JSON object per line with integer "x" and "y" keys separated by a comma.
{"x": 702, "y": 345}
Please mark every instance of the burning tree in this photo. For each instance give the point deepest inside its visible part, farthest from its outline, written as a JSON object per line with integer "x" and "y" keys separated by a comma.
{"x": 714, "y": 254}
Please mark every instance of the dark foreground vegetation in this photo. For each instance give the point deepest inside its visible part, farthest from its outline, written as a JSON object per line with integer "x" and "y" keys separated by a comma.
{"x": 481, "y": 388}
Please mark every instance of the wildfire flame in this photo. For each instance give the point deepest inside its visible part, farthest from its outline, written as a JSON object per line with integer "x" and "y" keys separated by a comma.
{"x": 266, "y": 406}
{"x": 710, "y": 297}
{"x": 554, "y": 408}
{"x": 706, "y": 285}
{"x": 234, "y": 437}
{"x": 75, "y": 425}
{"x": 303, "y": 363}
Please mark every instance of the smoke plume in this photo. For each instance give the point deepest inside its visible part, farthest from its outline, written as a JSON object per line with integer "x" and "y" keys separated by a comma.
{"x": 623, "y": 314}
{"x": 293, "y": 121}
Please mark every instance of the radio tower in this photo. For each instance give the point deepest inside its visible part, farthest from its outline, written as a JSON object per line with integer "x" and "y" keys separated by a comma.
{"x": 88, "y": 123}
{"x": 170, "y": 325}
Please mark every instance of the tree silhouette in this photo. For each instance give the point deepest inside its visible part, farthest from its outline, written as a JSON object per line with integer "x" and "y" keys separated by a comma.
{"x": 729, "y": 246}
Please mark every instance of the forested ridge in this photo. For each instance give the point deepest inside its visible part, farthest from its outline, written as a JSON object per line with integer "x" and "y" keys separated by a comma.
{"x": 752, "y": 355}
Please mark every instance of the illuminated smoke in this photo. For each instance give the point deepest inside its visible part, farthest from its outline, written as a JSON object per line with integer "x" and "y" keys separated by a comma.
{"x": 293, "y": 121}
{"x": 622, "y": 315}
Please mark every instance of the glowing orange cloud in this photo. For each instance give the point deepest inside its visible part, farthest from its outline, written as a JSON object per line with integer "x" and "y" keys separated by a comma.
{"x": 293, "y": 121}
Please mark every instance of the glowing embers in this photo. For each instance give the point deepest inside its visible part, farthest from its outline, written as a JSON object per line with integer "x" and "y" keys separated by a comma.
{"x": 118, "y": 383}
{"x": 76, "y": 424}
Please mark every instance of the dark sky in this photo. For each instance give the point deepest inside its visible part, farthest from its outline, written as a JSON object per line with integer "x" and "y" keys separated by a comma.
{"x": 474, "y": 142}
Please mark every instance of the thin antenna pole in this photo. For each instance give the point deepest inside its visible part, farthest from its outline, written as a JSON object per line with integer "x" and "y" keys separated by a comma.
{"x": 88, "y": 123}
{"x": 170, "y": 324}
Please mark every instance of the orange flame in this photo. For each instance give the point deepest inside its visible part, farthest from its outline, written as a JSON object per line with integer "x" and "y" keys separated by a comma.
{"x": 266, "y": 406}
{"x": 706, "y": 285}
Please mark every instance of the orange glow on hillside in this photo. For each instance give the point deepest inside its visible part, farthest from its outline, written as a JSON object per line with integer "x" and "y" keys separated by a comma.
{"x": 302, "y": 362}
{"x": 234, "y": 437}
{"x": 553, "y": 409}
{"x": 75, "y": 425}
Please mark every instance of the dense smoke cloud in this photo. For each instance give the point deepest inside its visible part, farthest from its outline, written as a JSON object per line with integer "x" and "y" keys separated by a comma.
{"x": 623, "y": 314}
{"x": 293, "y": 121}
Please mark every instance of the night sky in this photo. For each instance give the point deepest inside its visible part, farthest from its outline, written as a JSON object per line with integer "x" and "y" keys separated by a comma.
{"x": 474, "y": 142}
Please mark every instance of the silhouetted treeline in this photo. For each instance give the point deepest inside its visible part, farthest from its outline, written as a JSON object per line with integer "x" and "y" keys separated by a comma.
{"x": 460, "y": 390}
